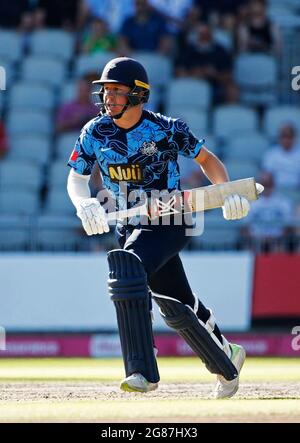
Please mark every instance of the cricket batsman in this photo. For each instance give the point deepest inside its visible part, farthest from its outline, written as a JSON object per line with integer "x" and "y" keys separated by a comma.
{"x": 137, "y": 150}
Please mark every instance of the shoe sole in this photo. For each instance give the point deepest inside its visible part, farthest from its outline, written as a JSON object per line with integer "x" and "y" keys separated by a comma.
{"x": 239, "y": 364}
{"x": 128, "y": 388}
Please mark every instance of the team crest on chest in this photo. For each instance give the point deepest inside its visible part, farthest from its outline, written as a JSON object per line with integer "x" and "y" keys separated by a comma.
{"x": 149, "y": 148}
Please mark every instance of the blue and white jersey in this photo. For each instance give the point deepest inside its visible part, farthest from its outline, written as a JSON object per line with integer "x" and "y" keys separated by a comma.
{"x": 142, "y": 158}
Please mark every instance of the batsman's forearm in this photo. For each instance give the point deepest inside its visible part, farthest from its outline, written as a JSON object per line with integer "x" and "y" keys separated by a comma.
{"x": 78, "y": 187}
{"x": 215, "y": 170}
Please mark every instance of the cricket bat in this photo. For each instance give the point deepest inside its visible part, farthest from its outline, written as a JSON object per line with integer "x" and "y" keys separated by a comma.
{"x": 191, "y": 200}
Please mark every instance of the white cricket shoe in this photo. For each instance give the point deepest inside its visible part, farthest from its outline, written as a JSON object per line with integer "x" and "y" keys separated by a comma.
{"x": 227, "y": 388}
{"x": 137, "y": 383}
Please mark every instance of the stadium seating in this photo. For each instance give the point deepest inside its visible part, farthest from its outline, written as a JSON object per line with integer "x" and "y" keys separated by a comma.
{"x": 188, "y": 92}
{"x": 45, "y": 70}
{"x": 11, "y": 46}
{"x": 29, "y": 122}
{"x": 196, "y": 120}
{"x": 92, "y": 63}
{"x": 23, "y": 175}
{"x": 33, "y": 148}
{"x": 32, "y": 96}
{"x": 53, "y": 42}
{"x": 229, "y": 120}
{"x": 248, "y": 146}
{"x": 18, "y": 201}
{"x": 275, "y": 117}
{"x": 58, "y": 202}
{"x": 256, "y": 89}
{"x": 65, "y": 144}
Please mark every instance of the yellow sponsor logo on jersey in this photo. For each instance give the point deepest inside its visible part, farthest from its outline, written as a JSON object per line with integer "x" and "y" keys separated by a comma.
{"x": 125, "y": 172}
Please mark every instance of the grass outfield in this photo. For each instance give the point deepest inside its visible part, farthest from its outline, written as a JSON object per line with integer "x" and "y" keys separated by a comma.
{"x": 33, "y": 390}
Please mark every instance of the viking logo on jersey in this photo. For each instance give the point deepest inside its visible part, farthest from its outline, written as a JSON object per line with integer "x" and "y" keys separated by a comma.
{"x": 126, "y": 172}
{"x": 149, "y": 148}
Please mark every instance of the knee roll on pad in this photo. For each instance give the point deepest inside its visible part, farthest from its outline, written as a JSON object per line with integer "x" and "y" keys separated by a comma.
{"x": 128, "y": 290}
{"x": 199, "y": 336}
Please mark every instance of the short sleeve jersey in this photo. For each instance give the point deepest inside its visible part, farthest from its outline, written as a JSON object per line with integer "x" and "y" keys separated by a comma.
{"x": 144, "y": 157}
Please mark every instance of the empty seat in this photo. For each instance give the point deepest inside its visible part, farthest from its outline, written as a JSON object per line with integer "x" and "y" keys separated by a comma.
{"x": 59, "y": 232}
{"x": 14, "y": 239}
{"x": 278, "y": 116}
{"x": 68, "y": 92}
{"x": 19, "y": 201}
{"x": 88, "y": 63}
{"x": 23, "y": 175}
{"x": 30, "y": 95}
{"x": 233, "y": 119}
{"x": 196, "y": 120}
{"x": 10, "y": 46}
{"x": 45, "y": 70}
{"x": 53, "y": 42}
{"x": 34, "y": 148}
{"x": 59, "y": 203}
{"x": 248, "y": 146}
{"x": 29, "y": 123}
{"x": 65, "y": 145}
{"x": 158, "y": 67}
{"x": 256, "y": 75}
{"x": 15, "y": 232}
{"x": 58, "y": 174}
{"x": 238, "y": 169}
{"x": 187, "y": 92}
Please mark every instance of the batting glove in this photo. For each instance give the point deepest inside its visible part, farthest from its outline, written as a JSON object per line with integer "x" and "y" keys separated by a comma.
{"x": 93, "y": 216}
{"x": 235, "y": 207}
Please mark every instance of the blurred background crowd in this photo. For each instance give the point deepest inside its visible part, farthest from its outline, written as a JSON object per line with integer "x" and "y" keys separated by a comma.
{"x": 225, "y": 67}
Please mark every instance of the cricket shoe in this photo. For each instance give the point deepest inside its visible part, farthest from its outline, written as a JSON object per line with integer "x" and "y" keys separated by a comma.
{"x": 227, "y": 388}
{"x": 137, "y": 383}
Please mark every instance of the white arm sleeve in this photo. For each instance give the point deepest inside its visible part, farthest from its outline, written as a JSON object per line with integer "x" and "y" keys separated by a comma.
{"x": 78, "y": 187}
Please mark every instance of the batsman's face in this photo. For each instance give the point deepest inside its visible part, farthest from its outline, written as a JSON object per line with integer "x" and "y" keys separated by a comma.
{"x": 115, "y": 97}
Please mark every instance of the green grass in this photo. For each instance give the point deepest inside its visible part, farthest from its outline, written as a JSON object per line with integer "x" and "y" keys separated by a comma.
{"x": 146, "y": 407}
{"x": 185, "y": 369}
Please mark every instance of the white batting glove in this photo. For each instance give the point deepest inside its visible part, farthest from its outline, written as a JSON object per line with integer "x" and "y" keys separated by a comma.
{"x": 93, "y": 216}
{"x": 235, "y": 207}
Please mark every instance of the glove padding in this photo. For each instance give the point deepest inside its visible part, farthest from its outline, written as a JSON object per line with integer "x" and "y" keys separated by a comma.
{"x": 93, "y": 216}
{"x": 235, "y": 207}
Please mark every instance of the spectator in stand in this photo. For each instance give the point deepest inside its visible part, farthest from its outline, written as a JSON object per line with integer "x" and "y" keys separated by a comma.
{"x": 283, "y": 160}
{"x": 12, "y": 13}
{"x": 186, "y": 34}
{"x": 145, "y": 31}
{"x": 173, "y": 11}
{"x": 268, "y": 222}
{"x": 205, "y": 59}
{"x": 73, "y": 115}
{"x": 258, "y": 34}
{"x": 57, "y": 14}
{"x": 98, "y": 38}
{"x": 114, "y": 12}
{"x": 3, "y": 141}
{"x": 216, "y": 11}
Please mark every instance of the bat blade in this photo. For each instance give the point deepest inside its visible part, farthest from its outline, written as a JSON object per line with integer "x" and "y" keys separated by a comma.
{"x": 214, "y": 195}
